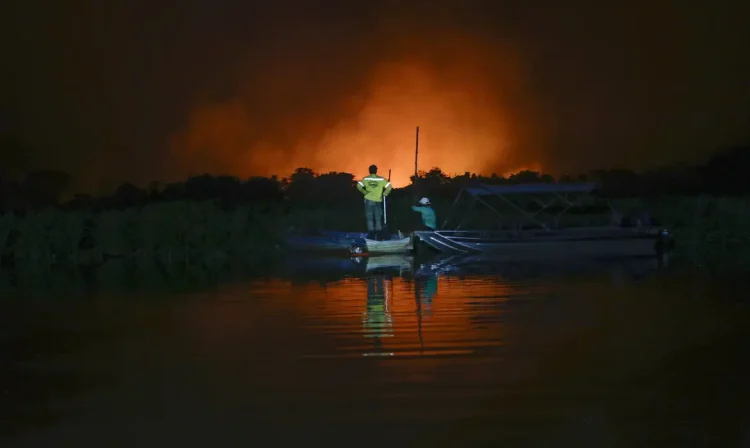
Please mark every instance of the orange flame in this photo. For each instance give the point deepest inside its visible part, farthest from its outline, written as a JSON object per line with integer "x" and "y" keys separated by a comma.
{"x": 463, "y": 127}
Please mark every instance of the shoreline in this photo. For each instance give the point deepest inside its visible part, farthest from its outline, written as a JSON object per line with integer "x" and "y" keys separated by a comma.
{"x": 709, "y": 232}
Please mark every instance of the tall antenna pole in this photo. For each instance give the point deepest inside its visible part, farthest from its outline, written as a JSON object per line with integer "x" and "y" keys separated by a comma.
{"x": 416, "y": 158}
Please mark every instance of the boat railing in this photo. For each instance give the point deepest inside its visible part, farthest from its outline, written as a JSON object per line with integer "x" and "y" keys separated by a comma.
{"x": 568, "y": 195}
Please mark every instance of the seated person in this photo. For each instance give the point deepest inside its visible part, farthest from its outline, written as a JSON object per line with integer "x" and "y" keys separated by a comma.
{"x": 429, "y": 219}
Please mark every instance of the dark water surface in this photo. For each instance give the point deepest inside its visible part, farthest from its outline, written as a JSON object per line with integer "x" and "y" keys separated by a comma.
{"x": 511, "y": 356}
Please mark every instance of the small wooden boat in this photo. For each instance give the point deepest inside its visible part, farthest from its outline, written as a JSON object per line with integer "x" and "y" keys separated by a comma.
{"x": 349, "y": 242}
{"x": 375, "y": 247}
{"x": 388, "y": 262}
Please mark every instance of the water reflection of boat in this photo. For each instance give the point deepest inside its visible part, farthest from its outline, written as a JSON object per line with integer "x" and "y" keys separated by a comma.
{"x": 497, "y": 264}
{"x": 344, "y": 266}
{"x": 388, "y": 262}
{"x": 332, "y": 241}
{"x": 317, "y": 264}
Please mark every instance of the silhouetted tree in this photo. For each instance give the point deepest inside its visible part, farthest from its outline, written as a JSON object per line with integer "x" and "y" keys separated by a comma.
{"x": 2, "y": 195}
{"x": 673, "y": 179}
{"x": 617, "y": 182}
{"x": 128, "y": 195}
{"x": 13, "y": 156}
{"x": 205, "y": 187}
{"x": 263, "y": 189}
{"x": 46, "y": 187}
{"x": 436, "y": 175}
{"x": 336, "y": 186}
{"x": 301, "y": 188}
{"x": 82, "y": 201}
{"x": 529, "y": 177}
{"x": 155, "y": 189}
{"x": 173, "y": 191}
{"x": 727, "y": 171}
{"x": 569, "y": 178}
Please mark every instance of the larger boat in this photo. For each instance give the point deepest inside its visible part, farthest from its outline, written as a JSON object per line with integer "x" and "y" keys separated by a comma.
{"x": 525, "y": 234}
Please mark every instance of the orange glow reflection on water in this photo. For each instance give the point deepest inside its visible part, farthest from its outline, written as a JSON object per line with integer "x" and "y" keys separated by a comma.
{"x": 395, "y": 316}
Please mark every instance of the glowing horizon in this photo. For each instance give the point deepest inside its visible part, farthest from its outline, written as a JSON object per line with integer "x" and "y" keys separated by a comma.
{"x": 467, "y": 111}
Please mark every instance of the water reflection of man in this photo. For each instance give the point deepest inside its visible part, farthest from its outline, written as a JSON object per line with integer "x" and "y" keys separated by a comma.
{"x": 378, "y": 322}
{"x": 425, "y": 289}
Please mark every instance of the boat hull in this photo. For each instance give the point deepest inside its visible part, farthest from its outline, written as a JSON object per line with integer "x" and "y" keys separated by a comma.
{"x": 398, "y": 262}
{"x": 401, "y": 246}
{"x": 593, "y": 243}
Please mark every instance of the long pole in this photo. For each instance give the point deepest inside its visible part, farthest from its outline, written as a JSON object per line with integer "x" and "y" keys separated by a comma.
{"x": 385, "y": 209}
{"x": 416, "y": 158}
{"x": 416, "y": 287}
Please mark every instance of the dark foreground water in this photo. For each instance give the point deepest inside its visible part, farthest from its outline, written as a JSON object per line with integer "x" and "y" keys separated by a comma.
{"x": 480, "y": 355}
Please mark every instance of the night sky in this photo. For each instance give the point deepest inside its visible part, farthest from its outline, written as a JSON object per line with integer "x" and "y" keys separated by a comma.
{"x": 135, "y": 90}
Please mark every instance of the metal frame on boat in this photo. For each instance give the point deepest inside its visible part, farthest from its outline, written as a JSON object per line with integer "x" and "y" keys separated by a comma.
{"x": 538, "y": 238}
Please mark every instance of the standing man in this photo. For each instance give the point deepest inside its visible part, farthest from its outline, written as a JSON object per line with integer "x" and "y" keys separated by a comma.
{"x": 374, "y": 187}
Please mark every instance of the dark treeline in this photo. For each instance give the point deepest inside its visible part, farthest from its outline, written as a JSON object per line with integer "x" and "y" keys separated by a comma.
{"x": 725, "y": 174}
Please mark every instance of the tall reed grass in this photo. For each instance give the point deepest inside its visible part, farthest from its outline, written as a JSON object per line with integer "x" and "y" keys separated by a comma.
{"x": 709, "y": 231}
{"x": 186, "y": 232}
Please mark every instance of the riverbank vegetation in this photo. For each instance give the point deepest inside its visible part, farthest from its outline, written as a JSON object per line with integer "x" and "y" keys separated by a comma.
{"x": 212, "y": 219}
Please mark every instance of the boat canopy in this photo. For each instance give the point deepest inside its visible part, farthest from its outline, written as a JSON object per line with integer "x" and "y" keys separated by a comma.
{"x": 497, "y": 190}
{"x": 559, "y": 191}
